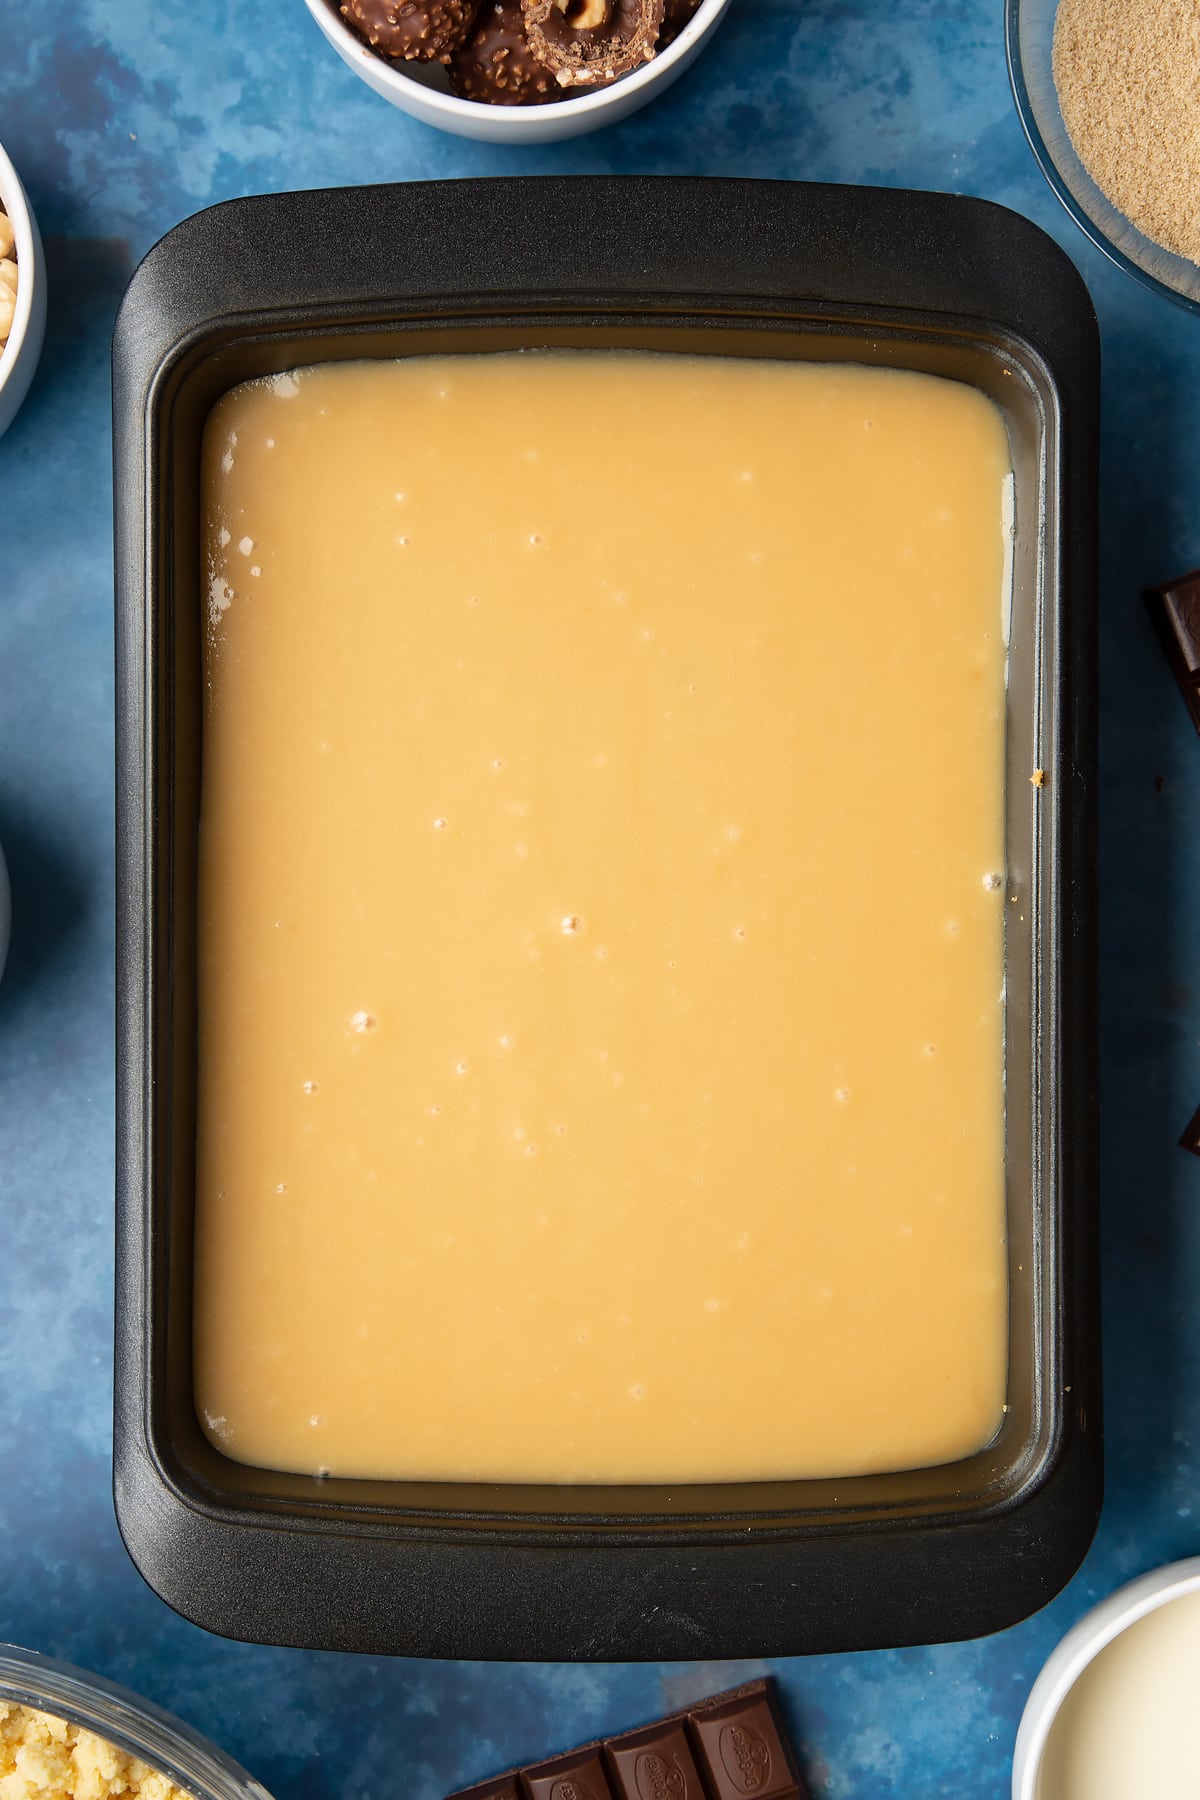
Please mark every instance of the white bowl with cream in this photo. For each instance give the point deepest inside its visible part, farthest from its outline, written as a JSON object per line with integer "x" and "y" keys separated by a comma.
{"x": 19, "y": 356}
{"x": 1115, "y": 1712}
{"x": 421, "y": 89}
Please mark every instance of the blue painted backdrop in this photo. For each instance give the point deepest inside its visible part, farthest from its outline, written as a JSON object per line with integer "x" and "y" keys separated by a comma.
{"x": 123, "y": 116}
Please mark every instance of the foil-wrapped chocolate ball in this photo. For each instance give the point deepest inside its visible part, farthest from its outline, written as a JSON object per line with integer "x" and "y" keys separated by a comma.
{"x": 496, "y": 65}
{"x": 588, "y": 43}
{"x": 411, "y": 30}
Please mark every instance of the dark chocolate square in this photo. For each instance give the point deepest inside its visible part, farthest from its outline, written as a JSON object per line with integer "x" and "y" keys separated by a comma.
{"x": 655, "y": 1763}
{"x": 1175, "y": 610}
{"x": 579, "y": 1775}
{"x": 1191, "y": 1134}
{"x": 500, "y": 1787}
{"x": 741, "y": 1752}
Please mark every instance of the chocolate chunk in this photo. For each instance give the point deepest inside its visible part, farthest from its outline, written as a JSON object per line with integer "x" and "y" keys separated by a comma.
{"x": 411, "y": 30}
{"x": 742, "y": 1751}
{"x": 1175, "y": 609}
{"x": 579, "y": 1775}
{"x": 732, "y": 1747}
{"x": 588, "y": 43}
{"x": 1191, "y": 1134}
{"x": 496, "y": 64}
{"x": 654, "y": 1764}
{"x": 503, "y": 1788}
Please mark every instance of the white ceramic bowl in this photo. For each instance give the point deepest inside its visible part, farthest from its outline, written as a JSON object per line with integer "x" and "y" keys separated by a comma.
{"x": 421, "y": 89}
{"x": 1082, "y": 1644}
{"x": 19, "y": 357}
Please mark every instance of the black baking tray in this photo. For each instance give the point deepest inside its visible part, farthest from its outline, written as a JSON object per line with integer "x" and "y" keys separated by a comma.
{"x": 954, "y": 286}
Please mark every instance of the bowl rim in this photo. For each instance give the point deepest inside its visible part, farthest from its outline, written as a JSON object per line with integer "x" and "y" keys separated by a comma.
{"x": 16, "y": 204}
{"x": 395, "y": 83}
{"x": 1075, "y": 1652}
{"x": 1043, "y": 156}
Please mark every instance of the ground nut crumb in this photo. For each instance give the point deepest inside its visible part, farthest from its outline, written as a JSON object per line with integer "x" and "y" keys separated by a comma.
{"x": 1125, "y": 71}
{"x": 47, "y": 1758}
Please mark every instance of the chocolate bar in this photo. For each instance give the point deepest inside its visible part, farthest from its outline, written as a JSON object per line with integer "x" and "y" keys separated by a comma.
{"x": 730, "y": 1747}
{"x": 1175, "y": 609}
{"x": 1191, "y": 1134}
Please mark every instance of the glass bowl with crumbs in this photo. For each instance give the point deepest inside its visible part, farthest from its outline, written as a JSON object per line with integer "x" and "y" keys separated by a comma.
{"x": 66, "y": 1734}
{"x": 1107, "y": 96}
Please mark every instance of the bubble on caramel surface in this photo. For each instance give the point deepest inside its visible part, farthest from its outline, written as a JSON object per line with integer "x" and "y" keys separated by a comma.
{"x": 220, "y": 598}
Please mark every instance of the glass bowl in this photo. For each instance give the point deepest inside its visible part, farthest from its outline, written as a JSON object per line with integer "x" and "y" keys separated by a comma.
{"x": 1028, "y": 40}
{"x": 136, "y": 1726}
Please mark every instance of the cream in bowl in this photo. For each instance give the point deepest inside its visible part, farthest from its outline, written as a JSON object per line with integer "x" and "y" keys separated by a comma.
{"x": 1113, "y": 1714}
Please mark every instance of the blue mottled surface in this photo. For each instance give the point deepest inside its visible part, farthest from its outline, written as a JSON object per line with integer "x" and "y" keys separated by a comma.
{"x": 123, "y": 116}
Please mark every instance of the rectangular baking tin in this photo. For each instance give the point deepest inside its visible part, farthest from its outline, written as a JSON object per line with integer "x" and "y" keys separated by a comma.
{"x": 953, "y": 286}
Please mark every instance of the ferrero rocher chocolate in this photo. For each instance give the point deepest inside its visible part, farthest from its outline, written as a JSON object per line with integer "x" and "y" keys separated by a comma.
{"x": 411, "y": 30}
{"x": 588, "y": 43}
{"x": 496, "y": 65}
